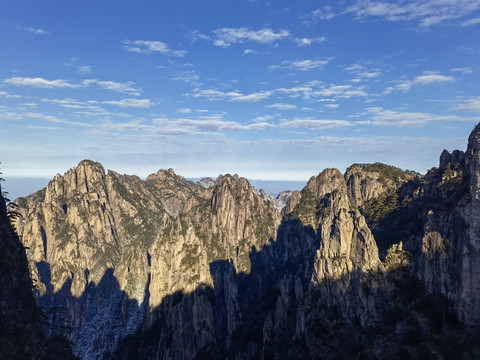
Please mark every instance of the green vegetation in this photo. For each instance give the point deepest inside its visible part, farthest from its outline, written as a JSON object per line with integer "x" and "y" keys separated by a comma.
{"x": 380, "y": 207}
{"x": 388, "y": 172}
{"x": 307, "y": 207}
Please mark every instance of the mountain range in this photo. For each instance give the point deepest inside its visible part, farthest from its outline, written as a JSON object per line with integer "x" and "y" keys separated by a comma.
{"x": 375, "y": 263}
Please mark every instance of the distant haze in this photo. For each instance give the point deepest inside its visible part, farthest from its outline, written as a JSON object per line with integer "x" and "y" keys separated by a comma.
{"x": 21, "y": 187}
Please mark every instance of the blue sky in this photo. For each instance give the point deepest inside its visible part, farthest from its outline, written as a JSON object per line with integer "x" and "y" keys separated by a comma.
{"x": 274, "y": 90}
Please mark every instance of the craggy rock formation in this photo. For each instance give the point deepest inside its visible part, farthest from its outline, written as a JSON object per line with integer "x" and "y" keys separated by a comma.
{"x": 369, "y": 181}
{"x": 374, "y": 263}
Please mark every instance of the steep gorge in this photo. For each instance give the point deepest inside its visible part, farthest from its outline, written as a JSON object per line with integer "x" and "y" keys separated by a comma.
{"x": 172, "y": 269}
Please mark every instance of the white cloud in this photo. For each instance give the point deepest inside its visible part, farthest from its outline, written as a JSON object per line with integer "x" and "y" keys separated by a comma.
{"x": 427, "y": 12}
{"x": 55, "y": 120}
{"x": 380, "y": 116}
{"x": 471, "y": 22}
{"x": 136, "y": 103}
{"x": 332, "y": 106}
{"x": 264, "y": 118}
{"x": 463, "y": 70}
{"x": 307, "y": 42}
{"x": 189, "y": 77}
{"x": 313, "y": 124}
{"x": 470, "y": 105}
{"x": 369, "y": 74}
{"x": 38, "y": 82}
{"x": 126, "y": 87}
{"x": 427, "y": 78}
{"x": 328, "y": 92}
{"x": 318, "y": 15}
{"x": 35, "y": 127}
{"x": 184, "y": 110}
{"x": 30, "y": 105}
{"x": 205, "y": 125}
{"x": 83, "y": 69}
{"x": 282, "y": 106}
{"x": 250, "y": 51}
{"x": 34, "y": 31}
{"x": 302, "y": 65}
{"x": 225, "y": 37}
{"x": 234, "y": 96}
{"x": 338, "y": 91}
{"x": 362, "y": 71}
{"x": 146, "y": 47}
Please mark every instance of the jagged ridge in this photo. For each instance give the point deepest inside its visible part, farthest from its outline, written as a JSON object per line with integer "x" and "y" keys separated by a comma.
{"x": 214, "y": 269}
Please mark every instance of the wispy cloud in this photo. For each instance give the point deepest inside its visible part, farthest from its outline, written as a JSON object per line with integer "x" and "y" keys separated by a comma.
{"x": 38, "y": 82}
{"x": 362, "y": 71}
{"x": 250, "y": 51}
{"x": 307, "y": 41}
{"x": 282, "y": 106}
{"x": 48, "y": 128}
{"x": 33, "y": 30}
{"x": 75, "y": 104}
{"x": 205, "y": 125}
{"x": 426, "y": 12}
{"x": 83, "y": 69}
{"x": 427, "y": 78}
{"x": 472, "y": 104}
{"x": 56, "y": 120}
{"x": 463, "y": 70}
{"x": 188, "y": 77}
{"x": 302, "y": 65}
{"x": 471, "y": 22}
{"x": 234, "y": 96}
{"x": 313, "y": 124}
{"x": 147, "y": 47}
{"x": 380, "y": 116}
{"x": 332, "y": 106}
{"x": 330, "y": 92}
{"x": 315, "y": 16}
{"x": 126, "y": 87}
{"x": 226, "y": 37}
{"x": 135, "y": 103}
{"x": 338, "y": 91}
{"x": 264, "y": 118}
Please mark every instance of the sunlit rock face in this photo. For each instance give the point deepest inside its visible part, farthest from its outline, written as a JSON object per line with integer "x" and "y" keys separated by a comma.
{"x": 166, "y": 268}
{"x": 108, "y": 249}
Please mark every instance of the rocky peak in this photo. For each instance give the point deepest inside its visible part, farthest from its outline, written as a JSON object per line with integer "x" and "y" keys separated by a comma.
{"x": 368, "y": 181}
{"x": 263, "y": 194}
{"x": 292, "y": 202}
{"x": 282, "y": 199}
{"x": 455, "y": 159}
{"x": 206, "y": 182}
{"x": 328, "y": 181}
{"x": 173, "y": 190}
{"x": 76, "y": 180}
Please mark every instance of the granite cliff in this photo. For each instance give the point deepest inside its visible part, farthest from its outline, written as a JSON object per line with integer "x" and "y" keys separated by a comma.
{"x": 374, "y": 263}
